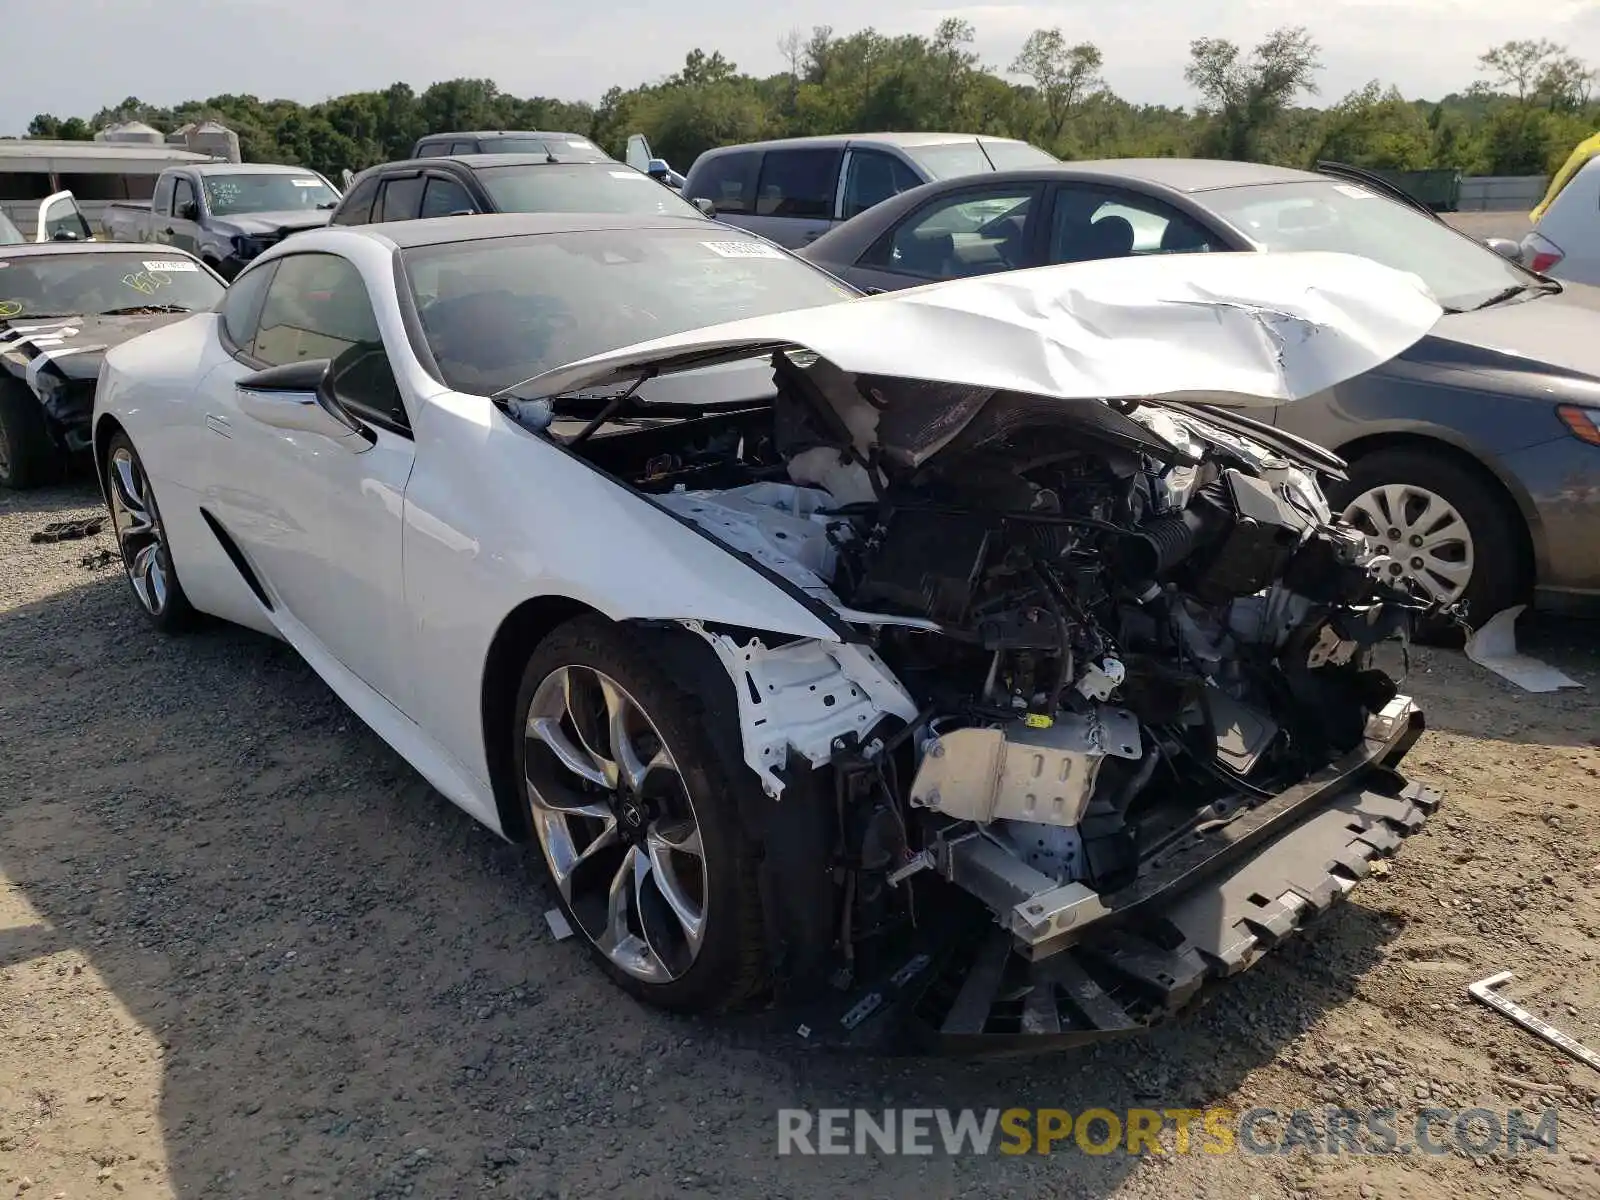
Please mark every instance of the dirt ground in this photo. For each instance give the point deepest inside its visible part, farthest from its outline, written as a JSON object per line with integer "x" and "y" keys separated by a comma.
{"x": 245, "y": 951}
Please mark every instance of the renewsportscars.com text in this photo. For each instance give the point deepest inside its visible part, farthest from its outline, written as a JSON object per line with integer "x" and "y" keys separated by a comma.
{"x": 1255, "y": 1131}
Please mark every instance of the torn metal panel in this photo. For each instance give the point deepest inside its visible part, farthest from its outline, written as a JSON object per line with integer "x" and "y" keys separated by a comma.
{"x": 1238, "y": 329}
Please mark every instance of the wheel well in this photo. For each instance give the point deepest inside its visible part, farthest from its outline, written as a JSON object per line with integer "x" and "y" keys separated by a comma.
{"x": 1468, "y": 462}
{"x": 523, "y": 628}
{"x": 104, "y": 428}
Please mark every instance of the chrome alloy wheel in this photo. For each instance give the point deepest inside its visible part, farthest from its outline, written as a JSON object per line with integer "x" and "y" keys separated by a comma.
{"x": 1427, "y": 539}
{"x": 616, "y": 823}
{"x": 138, "y": 526}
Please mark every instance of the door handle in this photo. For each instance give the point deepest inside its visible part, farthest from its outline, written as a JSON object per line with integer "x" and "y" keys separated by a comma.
{"x": 219, "y": 425}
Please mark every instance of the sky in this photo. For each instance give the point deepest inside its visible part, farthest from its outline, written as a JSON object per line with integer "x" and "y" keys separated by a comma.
{"x": 310, "y": 50}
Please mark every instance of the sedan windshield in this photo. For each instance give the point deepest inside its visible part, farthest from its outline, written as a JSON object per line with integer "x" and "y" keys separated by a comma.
{"x": 563, "y": 145}
{"x": 549, "y": 187}
{"x": 498, "y": 311}
{"x": 74, "y": 285}
{"x": 1346, "y": 218}
{"x": 228, "y": 195}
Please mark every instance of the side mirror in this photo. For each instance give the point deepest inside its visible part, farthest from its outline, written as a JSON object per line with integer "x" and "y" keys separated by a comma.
{"x": 64, "y": 235}
{"x": 1505, "y": 248}
{"x": 189, "y": 210}
{"x": 657, "y": 168}
{"x": 299, "y": 396}
{"x": 704, "y": 204}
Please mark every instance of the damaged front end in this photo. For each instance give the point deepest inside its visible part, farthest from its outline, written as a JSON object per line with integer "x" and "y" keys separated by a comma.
{"x": 1107, "y": 723}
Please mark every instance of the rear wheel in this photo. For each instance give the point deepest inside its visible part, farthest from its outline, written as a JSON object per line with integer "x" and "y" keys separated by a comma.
{"x": 636, "y": 821}
{"x": 142, "y": 539}
{"x": 1451, "y": 537}
{"x": 29, "y": 457}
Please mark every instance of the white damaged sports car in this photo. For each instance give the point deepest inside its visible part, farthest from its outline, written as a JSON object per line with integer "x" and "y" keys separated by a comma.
{"x": 965, "y": 652}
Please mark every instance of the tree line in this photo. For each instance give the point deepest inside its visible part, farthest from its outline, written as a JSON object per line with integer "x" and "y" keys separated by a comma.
{"x": 1530, "y": 104}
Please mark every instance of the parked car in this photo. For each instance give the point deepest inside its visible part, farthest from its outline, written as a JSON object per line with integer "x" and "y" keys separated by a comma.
{"x": 572, "y": 146}
{"x": 59, "y": 220}
{"x": 741, "y": 649}
{"x": 795, "y": 189}
{"x": 63, "y": 304}
{"x": 471, "y": 184}
{"x": 1564, "y": 242}
{"x": 225, "y": 213}
{"x": 1474, "y": 452}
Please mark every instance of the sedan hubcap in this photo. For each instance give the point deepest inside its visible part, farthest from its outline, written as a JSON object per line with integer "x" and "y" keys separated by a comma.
{"x": 139, "y": 533}
{"x": 616, "y": 824}
{"x": 1427, "y": 540}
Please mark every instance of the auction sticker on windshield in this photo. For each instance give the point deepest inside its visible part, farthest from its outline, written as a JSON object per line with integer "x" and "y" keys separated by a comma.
{"x": 1355, "y": 193}
{"x": 742, "y": 249}
{"x": 306, "y": 182}
{"x": 168, "y": 265}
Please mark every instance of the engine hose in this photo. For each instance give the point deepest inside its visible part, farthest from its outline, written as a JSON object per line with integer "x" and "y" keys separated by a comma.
{"x": 1158, "y": 545}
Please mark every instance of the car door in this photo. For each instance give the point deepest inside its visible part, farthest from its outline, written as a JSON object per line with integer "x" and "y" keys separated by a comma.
{"x": 869, "y": 177}
{"x": 443, "y": 196}
{"x": 973, "y": 230}
{"x": 1090, "y": 221}
{"x": 61, "y": 220}
{"x": 795, "y": 191}
{"x": 401, "y": 198}
{"x": 180, "y": 227}
{"x": 318, "y": 520}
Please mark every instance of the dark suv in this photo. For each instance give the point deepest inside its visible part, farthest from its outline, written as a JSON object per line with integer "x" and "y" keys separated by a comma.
{"x": 510, "y": 141}
{"x": 467, "y": 184}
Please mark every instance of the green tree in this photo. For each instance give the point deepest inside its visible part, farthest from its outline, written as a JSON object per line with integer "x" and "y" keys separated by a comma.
{"x": 1243, "y": 97}
{"x": 1064, "y": 75}
{"x": 1376, "y": 127}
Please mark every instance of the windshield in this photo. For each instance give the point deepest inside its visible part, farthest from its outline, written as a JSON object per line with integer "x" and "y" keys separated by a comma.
{"x": 10, "y": 235}
{"x": 1017, "y": 156}
{"x": 548, "y": 187}
{"x": 1343, "y": 217}
{"x": 227, "y": 195}
{"x": 951, "y": 160}
{"x": 502, "y": 310}
{"x": 70, "y": 285}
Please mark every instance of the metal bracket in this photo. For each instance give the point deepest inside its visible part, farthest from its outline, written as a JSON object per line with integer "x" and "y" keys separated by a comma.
{"x": 1484, "y": 992}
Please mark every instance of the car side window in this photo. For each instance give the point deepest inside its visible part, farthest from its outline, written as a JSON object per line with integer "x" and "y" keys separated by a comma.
{"x": 871, "y": 177}
{"x": 402, "y": 197}
{"x": 728, "y": 181}
{"x": 317, "y": 306}
{"x": 463, "y": 147}
{"x": 798, "y": 183}
{"x": 1093, "y": 223}
{"x": 356, "y": 208}
{"x": 182, "y": 193}
{"x": 973, "y": 232}
{"x": 241, "y": 306}
{"x": 444, "y": 196}
{"x": 431, "y": 150}
{"x": 161, "y": 201}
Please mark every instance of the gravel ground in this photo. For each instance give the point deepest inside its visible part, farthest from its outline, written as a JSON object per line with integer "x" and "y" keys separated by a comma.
{"x": 245, "y": 951}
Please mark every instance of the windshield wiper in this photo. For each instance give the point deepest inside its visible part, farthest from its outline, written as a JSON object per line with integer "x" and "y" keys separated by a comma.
{"x": 1511, "y": 293}
{"x": 135, "y": 309}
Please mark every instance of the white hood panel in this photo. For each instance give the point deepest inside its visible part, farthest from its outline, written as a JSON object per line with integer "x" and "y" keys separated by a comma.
{"x": 1235, "y": 329}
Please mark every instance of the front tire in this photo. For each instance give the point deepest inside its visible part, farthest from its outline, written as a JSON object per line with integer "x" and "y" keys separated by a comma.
{"x": 1451, "y": 537}
{"x": 29, "y": 457}
{"x": 636, "y": 820}
{"x": 142, "y": 539}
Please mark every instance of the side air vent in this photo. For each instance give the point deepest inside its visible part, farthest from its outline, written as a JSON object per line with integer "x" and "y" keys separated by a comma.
{"x": 237, "y": 558}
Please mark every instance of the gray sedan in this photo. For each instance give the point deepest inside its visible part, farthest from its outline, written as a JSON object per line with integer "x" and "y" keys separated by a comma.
{"x": 1475, "y": 455}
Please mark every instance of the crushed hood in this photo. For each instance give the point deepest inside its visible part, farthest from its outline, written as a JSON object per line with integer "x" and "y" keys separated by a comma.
{"x": 1231, "y": 329}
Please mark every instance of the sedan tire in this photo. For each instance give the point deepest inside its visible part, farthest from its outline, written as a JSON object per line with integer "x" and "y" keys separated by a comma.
{"x": 28, "y": 456}
{"x": 1450, "y": 536}
{"x": 636, "y": 820}
{"x": 142, "y": 539}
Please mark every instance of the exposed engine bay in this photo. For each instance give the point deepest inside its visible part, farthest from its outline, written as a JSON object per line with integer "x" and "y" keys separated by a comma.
{"x": 1083, "y": 633}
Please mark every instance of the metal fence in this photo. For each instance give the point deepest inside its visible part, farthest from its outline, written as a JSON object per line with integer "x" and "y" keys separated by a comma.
{"x": 1501, "y": 193}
